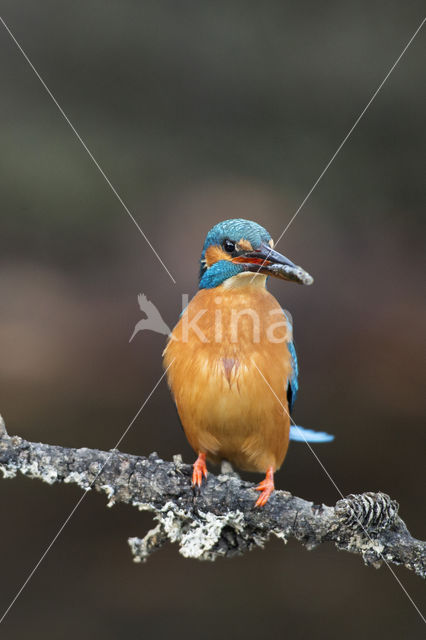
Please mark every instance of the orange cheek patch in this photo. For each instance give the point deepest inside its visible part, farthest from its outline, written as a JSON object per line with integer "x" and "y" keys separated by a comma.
{"x": 244, "y": 245}
{"x": 214, "y": 254}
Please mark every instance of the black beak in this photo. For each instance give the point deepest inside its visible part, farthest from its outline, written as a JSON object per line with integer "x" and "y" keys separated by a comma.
{"x": 269, "y": 262}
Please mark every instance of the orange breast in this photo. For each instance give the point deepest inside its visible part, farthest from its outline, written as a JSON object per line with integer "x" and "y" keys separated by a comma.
{"x": 228, "y": 411}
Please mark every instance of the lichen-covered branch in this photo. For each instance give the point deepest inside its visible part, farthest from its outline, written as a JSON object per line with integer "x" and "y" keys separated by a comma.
{"x": 220, "y": 519}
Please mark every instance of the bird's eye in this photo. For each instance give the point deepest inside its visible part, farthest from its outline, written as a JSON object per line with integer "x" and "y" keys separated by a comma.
{"x": 229, "y": 246}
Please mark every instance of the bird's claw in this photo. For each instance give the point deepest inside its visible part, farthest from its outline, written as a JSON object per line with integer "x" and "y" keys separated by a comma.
{"x": 264, "y": 496}
{"x": 199, "y": 469}
{"x": 266, "y": 487}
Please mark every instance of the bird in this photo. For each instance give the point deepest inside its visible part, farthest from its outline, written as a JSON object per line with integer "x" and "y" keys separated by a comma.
{"x": 153, "y": 320}
{"x": 230, "y": 361}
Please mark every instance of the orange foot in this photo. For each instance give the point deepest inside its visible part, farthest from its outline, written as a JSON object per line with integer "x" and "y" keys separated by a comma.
{"x": 266, "y": 487}
{"x": 199, "y": 469}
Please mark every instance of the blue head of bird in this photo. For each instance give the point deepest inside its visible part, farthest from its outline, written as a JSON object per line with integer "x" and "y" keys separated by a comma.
{"x": 239, "y": 247}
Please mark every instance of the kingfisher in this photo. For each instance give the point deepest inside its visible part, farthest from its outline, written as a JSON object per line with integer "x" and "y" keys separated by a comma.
{"x": 231, "y": 362}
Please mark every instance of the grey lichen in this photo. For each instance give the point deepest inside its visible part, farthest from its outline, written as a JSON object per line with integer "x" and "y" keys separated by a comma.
{"x": 142, "y": 548}
{"x": 220, "y": 519}
{"x": 198, "y": 537}
{"x": 3, "y": 431}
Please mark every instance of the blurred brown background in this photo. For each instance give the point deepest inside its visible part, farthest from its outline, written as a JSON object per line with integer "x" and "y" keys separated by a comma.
{"x": 197, "y": 112}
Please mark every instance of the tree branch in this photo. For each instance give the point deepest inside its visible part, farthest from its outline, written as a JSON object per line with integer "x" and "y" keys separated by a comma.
{"x": 220, "y": 519}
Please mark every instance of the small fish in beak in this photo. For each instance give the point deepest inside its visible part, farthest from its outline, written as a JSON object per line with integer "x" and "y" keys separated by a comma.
{"x": 269, "y": 262}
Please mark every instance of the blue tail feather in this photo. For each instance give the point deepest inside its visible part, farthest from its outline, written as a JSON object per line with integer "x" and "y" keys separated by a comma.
{"x": 300, "y": 434}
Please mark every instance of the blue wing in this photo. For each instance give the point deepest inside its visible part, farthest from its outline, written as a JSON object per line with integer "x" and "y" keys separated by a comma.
{"x": 299, "y": 434}
{"x": 292, "y": 384}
